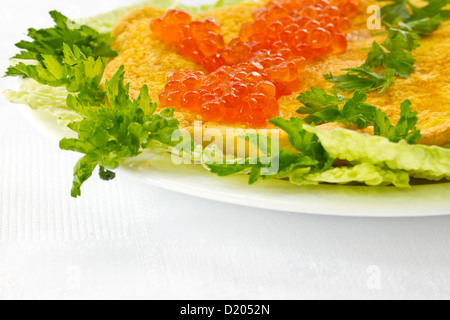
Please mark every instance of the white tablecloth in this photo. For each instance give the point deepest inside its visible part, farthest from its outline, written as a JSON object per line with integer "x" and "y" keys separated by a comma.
{"x": 125, "y": 239}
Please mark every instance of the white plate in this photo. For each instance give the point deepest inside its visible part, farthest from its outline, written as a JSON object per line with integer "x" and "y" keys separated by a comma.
{"x": 356, "y": 201}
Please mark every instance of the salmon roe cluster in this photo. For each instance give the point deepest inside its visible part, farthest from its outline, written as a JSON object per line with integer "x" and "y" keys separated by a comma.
{"x": 228, "y": 95}
{"x": 264, "y": 63}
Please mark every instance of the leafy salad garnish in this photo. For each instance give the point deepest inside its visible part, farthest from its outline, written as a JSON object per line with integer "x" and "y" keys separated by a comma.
{"x": 52, "y": 42}
{"x": 322, "y": 107}
{"x": 362, "y": 78}
{"x": 423, "y": 20}
{"x": 76, "y": 72}
{"x": 405, "y": 24}
{"x": 310, "y": 156}
{"x": 114, "y": 131}
{"x": 67, "y": 56}
{"x": 112, "y": 127}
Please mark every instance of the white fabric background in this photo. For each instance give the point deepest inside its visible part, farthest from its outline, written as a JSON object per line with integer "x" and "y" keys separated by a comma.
{"x": 124, "y": 239}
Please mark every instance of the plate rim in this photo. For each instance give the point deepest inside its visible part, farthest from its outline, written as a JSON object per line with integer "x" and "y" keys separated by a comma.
{"x": 215, "y": 195}
{"x": 47, "y": 125}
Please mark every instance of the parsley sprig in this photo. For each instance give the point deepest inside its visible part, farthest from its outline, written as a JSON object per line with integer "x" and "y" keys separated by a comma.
{"x": 394, "y": 55}
{"x": 405, "y": 24}
{"x": 362, "y": 78}
{"x": 114, "y": 131}
{"x": 65, "y": 55}
{"x": 322, "y": 107}
{"x": 113, "y": 127}
{"x": 309, "y": 157}
{"x": 423, "y": 20}
{"x": 74, "y": 71}
{"x": 49, "y": 42}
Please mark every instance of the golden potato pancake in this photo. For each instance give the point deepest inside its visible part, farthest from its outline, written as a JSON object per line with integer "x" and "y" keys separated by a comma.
{"x": 148, "y": 60}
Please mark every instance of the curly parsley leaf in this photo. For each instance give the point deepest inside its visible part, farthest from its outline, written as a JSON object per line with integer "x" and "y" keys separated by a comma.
{"x": 423, "y": 20}
{"x": 65, "y": 55}
{"x": 106, "y": 174}
{"x": 113, "y": 127}
{"x": 396, "y": 9}
{"x": 407, "y": 11}
{"x": 400, "y": 61}
{"x": 289, "y": 162}
{"x": 319, "y": 104}
{"x": 406, "y": 24}
{"x": 224, "y": 170}
{"x": 319, "y": 99}
{"x": 355, "y": 110}
{"x": 306, "y": 143}
{"x": 424, "y": 26}
{"x": 76, "y": 72}
{"x": 394, "y": 54}
{"x": 49, "y": 42}
{"x": 404, "y": 130}
{"x": 110, "y": 133}
{"x": 362, "y": 78}
{"x": 398, "y": 39}
{"x": 310, "y": 156}
{"x": 433, "y": 8}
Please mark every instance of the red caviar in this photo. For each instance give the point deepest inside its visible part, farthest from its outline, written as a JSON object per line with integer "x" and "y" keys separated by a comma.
{"x": 264, "y": 63}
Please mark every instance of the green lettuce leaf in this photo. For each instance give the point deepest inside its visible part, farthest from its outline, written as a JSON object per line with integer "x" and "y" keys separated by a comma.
{"x": 366, "y": 173}
{"x": 299, "y": 170}
{"x": 420, "y": 161}
{"x": 114, "y": 131}
{"x": 51, "y": 100}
